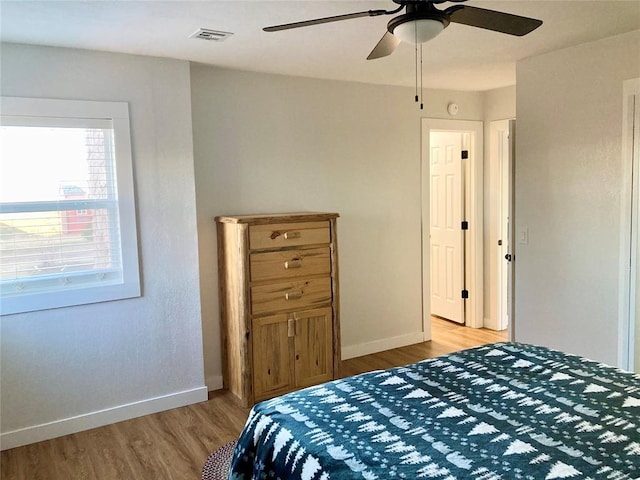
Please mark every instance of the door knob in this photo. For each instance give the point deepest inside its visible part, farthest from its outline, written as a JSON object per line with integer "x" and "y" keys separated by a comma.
{"x": 508, "y": 257}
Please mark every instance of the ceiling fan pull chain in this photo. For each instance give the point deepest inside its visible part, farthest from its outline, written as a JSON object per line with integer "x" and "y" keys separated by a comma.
{"x": 421, "y": 87}
{"x": 415, "y": 29}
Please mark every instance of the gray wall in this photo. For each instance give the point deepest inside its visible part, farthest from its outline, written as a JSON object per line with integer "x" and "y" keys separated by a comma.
{"x": 268, "y": 143}
{"x": 93, "y": 364}
{"x": 569, "y": 182}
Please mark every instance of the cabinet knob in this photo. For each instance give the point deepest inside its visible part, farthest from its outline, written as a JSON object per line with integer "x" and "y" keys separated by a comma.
{"x": 291, "y": 235}
{"x": 293, "y": 263}
{"x": 293, "y": 295}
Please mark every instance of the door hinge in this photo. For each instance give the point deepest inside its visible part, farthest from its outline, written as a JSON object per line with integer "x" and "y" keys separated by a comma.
{"x": 465, "y": 154}
{"x": 465, "y": 225}
{"x": 465, "y": 293}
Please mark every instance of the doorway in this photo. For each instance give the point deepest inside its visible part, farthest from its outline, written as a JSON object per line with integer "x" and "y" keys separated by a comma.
{"x": 470, "y": 251}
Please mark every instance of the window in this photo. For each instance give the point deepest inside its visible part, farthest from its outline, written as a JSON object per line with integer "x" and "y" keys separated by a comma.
{"x": 67, "y": 213}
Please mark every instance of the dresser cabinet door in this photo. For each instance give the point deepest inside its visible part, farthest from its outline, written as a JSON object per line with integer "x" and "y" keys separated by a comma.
{"x": 273, "y": 365}
{"x": 313, "y": 347}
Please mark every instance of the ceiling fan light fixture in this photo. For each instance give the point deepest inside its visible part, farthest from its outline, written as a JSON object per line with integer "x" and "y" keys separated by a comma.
{"x": 418, "y": 31}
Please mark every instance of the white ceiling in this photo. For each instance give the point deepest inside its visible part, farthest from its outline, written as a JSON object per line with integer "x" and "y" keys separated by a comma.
{"x": 460, "y": 58}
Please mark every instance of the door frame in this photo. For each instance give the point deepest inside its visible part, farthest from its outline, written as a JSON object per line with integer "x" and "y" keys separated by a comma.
{"x": 630, "y": 233}
{"x": 474, "y": 192}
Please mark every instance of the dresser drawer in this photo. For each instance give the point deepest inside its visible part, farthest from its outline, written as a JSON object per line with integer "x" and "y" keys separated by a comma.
{"x": 262, "y": 237}
{"x": 292, "y": 295}
{"x": 290, "y": 263}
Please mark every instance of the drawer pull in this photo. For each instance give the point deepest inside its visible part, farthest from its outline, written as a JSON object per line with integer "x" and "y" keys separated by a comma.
{"x": 291, "y": 235}
{"x": 293, "y": 295}
{"x": 294, "y": 263}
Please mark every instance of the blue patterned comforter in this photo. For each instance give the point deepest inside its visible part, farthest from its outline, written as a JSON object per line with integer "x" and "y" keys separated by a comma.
{"x": 502, "y": 411}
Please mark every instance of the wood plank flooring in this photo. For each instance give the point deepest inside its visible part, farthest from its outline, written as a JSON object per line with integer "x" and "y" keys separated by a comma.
{"x": 447, "y": 337}
{"x": 175, "y": 444}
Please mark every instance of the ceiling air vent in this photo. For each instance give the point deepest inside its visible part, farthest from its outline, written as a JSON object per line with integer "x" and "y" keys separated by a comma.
{"x": 208, "y": 34}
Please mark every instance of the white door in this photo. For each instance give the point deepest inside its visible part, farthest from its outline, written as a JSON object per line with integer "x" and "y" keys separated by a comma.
{"x": 511, "y": 209}
{"x": 504, "y": 242}
{"x": 446, "y": 234}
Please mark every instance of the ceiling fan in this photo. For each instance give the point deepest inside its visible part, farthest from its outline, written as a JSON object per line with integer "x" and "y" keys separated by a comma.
{"x": 422, "y": 21}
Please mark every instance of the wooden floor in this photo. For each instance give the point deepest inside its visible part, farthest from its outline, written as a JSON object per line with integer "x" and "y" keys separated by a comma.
{"x": 174, "y": 444}
{"x": 446, "y": 336}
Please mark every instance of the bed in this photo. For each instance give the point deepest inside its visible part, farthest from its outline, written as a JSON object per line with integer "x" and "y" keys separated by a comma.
{"x": 500, "y": 411}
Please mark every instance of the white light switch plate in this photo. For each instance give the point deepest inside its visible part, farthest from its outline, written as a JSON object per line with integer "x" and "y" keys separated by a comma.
{"x": 523, "y": 236}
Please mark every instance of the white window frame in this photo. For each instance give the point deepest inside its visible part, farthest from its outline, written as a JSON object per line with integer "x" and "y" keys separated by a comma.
{"x": 84, "y": 290}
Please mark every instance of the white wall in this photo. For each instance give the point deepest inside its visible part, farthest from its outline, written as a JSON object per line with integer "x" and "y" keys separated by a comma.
{"x": 70, "y": 369}
{"x": 267, "y": 143}
{"x": 499, "y": 104}
{"x": 568, "y": 194}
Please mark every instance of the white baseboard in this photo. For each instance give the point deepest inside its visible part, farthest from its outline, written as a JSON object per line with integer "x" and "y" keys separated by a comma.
{"x": 376, "y": 346}
{"x": 214, "y": 382}
{"x": 489, "y": 323}
{"x": 66, "y": 426}
{"x": 492, "y": 324}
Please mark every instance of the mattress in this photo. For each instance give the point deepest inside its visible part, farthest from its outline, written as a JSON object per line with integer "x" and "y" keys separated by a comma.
{"x": 500, "y": 411}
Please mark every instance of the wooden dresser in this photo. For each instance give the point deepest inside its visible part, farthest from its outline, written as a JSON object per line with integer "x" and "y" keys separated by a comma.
{"x": 279, "y": 308}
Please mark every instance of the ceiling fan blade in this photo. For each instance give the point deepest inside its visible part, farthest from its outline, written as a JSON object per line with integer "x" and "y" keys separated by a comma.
{"x": 492, "y": 20}
{"x": 318, "y": 21}
{"x": 386, "y": 46}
